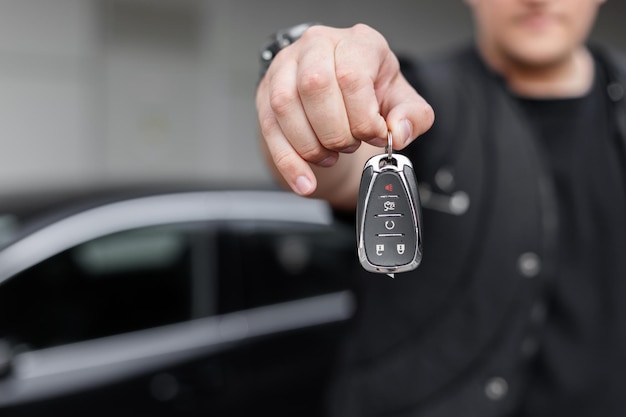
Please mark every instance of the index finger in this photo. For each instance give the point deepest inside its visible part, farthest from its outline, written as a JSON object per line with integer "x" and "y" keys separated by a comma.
{"x": 361, "y": 65}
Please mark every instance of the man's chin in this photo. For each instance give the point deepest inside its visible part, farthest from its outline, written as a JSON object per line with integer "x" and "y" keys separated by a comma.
{"x": 539, "y": 56}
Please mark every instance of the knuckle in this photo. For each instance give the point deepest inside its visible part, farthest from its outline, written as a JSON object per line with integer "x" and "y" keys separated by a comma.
{"x": 313, "y": 32}
{"x": 313, "y": 153}
{"x": 428, "y": 115}
{"x": 362, "y": 29}
{"x": 348, "y": 77}
{"x": 267, "y": 125}
{"x": 363, "y": 129}
{"x": 284, "y": 161}
{"x": 282, "y": 100}
{"x": 338, "y": 142}
{"x": 313, "y": 80}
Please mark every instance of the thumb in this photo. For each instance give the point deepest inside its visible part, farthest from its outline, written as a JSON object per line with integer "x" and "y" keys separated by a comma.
{"x": 408, "y": 115}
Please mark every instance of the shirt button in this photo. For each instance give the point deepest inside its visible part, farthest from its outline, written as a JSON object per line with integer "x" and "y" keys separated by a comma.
{"x": 529, "y": 264}
{"x": 615, "y": 91}
{"x": 444, "y": 178}
{"x": 530, "y": 346}
{"x": 538, "y": 312}
{"x": 459, "y": 203}
{"x": 496, "y": 388}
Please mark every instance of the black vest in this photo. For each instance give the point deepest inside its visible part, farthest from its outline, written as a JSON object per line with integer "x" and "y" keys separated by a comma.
{"x": 455, "y": 336}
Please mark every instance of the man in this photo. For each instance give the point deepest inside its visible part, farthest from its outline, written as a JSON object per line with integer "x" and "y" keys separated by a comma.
{"x": 517, "y": 308}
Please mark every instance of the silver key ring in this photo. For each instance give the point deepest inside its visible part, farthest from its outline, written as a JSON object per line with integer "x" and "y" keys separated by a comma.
{"x": 389, "y": 147}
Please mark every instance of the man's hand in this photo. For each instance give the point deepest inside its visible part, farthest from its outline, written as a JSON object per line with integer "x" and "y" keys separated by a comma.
{"x": 326, "y": 94}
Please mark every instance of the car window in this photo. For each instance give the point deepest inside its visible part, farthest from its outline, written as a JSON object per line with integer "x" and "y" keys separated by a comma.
{"x": 153, "y": 276}
{"x": 278, "y": 263}
{"x": 118, "y": 283}
{"x": 130, "y": 252}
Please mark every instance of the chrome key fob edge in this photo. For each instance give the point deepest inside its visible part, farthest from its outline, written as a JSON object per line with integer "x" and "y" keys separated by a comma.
{"x": 389, "y": 224}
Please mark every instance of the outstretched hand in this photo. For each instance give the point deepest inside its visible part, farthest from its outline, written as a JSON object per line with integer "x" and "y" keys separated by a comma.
{"x": 327, "y": 93}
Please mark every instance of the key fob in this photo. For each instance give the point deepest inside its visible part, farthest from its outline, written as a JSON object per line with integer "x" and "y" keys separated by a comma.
{"x": 389, "y": 224}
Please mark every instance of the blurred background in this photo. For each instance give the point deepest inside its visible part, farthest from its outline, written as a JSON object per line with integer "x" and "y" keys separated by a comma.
{"x": 115, "y": 91}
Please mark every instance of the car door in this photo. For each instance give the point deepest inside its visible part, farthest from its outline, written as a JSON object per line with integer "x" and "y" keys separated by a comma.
{"x": 220, "y": 313}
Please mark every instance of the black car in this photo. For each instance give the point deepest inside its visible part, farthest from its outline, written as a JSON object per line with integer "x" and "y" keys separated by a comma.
{"x": 170, "y": 301}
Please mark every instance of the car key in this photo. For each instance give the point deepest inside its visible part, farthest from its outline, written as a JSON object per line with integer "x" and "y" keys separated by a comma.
{"x": 389, "y": 224}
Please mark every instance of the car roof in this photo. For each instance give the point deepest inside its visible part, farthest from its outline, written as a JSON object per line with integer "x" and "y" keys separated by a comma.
{"x": 31, "y": 203}
{"x": 46, "y": 223}
{"x": 24, "y": 211}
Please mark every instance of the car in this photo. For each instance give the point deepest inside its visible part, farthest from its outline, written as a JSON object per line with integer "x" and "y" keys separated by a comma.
{"x": 171, "y": 300}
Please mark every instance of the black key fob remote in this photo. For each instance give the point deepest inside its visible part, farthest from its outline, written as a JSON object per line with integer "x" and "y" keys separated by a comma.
{"x": 389, "y": 224}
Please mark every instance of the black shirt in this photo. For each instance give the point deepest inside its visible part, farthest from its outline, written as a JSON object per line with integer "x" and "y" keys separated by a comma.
{"x": 581, "y": 366}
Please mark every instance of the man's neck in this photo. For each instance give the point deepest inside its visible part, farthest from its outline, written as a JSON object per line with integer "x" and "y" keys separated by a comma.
{"x": 570, "y": 77}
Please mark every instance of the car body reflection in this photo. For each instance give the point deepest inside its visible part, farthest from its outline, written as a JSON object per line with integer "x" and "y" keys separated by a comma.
{"x": 168, "y": 302}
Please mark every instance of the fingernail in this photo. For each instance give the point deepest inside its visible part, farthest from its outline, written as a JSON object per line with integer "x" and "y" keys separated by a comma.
{"x": 352, "y": 149}
{"x": 407, "y": 131}
{"x": 378, "y": 142}
{"x": 303, "y": 185}
{"x": 328, "y": 162}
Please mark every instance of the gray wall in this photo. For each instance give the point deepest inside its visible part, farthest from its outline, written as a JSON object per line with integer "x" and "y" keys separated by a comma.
{"x": 131, "y": 90}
